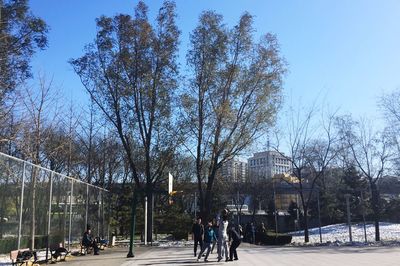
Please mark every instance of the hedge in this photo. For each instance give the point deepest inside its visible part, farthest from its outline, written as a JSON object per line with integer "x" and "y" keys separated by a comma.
{"x": 273, "y": 239}
{"x": 11, "y": 243}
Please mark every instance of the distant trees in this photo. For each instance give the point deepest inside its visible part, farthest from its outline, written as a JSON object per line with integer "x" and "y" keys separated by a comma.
{"x": 370, "y": 152}
{"x": 21, "y": 35}
{"x": 312, "y": 144}
{"x": 234, "y": 89}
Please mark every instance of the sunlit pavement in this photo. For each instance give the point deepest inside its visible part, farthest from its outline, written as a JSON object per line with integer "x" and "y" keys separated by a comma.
{"x": 251, "y": 255}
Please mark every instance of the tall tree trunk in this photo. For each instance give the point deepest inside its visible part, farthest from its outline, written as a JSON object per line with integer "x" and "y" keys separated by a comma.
{"x": 306, "y": 233}
{"x": 206, "y": 215}
{"x": 375, "y": 209}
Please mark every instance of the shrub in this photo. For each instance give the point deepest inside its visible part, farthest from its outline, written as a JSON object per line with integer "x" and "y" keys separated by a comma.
{"x": 273, "y": 239}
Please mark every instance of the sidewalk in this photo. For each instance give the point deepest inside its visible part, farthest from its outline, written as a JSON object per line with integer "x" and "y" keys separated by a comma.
{"x": 109, "y": 256}
{"x": 249, "y": 255}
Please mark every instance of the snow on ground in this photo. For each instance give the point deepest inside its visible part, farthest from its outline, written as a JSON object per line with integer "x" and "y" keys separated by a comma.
{"x": 339, "y": 233}
{"x": 181, "y": 243}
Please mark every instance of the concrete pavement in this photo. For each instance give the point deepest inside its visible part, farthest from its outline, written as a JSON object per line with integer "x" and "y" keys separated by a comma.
{"x": 251, "y": 255}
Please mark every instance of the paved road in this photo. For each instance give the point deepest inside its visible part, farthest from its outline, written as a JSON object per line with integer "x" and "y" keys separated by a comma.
{"x": 252, "y": 255}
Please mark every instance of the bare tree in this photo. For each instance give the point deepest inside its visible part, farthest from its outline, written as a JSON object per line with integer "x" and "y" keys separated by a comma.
{"x": 370, "y": 153}
{"x": 41, "y": 115}
{"x": 233, "y": 94}
{"x": 312, "y": 145}
{"x": 390, "y": 106}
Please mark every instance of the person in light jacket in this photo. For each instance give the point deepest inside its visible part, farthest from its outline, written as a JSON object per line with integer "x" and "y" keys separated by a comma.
{"x": 222, "y": 247}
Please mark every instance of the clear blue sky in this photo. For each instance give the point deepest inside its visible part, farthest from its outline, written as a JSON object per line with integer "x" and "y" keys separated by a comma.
{"x": 346, "y": 51}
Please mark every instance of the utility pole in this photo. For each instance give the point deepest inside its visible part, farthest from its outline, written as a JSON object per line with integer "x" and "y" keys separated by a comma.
{"x": 152, "y": 219}
{"x": 145, "y": 221}
{"x": 275, "y": 210}
{"x": 348, "y": 216}
{"x": 319, "y": 218}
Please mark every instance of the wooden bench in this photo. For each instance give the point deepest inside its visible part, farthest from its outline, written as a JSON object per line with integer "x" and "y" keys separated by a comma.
{"x": 17, "y": 260}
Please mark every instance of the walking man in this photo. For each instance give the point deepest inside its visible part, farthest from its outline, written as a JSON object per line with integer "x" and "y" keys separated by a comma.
{"x": 234, "y": 236}
{"x": 197, "y": 234}
{"x": 209, "y": 237}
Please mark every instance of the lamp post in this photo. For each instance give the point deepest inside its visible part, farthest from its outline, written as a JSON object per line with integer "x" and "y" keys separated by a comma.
{"x": 133, "y": 218}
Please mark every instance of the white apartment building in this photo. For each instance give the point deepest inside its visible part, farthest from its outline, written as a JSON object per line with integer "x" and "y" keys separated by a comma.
{"x": 234, "y": 170}
{"x": 266, "y": 164}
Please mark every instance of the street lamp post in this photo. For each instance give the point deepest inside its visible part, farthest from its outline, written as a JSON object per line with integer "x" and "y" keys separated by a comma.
{"x": 133, "y": 218}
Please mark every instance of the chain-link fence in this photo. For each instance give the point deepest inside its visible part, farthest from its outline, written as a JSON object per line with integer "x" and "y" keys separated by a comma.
{"x": 47, "y": 207}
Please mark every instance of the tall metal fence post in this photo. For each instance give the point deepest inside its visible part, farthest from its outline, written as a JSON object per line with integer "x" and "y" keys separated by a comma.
{"x": 49, "y": 221}
{"x": 98, "y": 212}
{"x": 70, "y": 214}
{"x": 21, "y": 206}
{"x": 87, "y": 207}
{"x": 108, "y": 215}
{"x": 349, "y": 216}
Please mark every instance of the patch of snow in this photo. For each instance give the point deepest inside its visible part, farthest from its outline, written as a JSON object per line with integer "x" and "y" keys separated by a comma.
{"x": 338, "y": 234}
{"x": 5, "y": 260}
{"x": 182, "y": 243}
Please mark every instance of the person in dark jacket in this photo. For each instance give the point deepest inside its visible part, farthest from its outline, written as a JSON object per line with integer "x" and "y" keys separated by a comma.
{"x": 89, "y": 241}
{"x": 197, "y": 233}
{"x": 209, "y": 237}
{"x": 234, "y": 240}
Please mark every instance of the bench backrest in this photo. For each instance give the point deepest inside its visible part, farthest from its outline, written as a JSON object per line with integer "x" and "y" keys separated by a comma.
{"x": 14, "y": 253}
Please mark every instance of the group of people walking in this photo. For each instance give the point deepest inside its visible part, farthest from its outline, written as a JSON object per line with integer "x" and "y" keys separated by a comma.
{"x": 217, "y": 231}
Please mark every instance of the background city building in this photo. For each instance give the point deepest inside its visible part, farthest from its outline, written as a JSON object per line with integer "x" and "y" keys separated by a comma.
{"x": 266, "y": 164}
{"x": 234, "y": 170}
